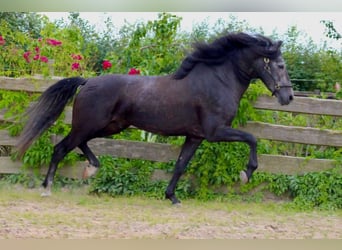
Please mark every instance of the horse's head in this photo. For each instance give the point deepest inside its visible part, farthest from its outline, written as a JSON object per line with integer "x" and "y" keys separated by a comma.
{"x": 272, "y": 71}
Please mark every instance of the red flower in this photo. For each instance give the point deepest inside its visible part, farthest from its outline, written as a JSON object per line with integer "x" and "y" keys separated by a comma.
{"x": 2, "y": 41}
{"x": 75, "y": 66}
{"x": 36, "y": 57}
{"x": 134, "y": 71}
{"x": 44, "y": 59}
{"x": 26, "y": 55}
{"x": 37, "y": 49}
{"x": 53, "y": 42}
{"x": 76, "y": 57}
{"x": 106, "y": 64}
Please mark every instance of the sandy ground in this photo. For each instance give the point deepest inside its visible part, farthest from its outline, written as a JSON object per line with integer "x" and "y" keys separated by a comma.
{"x": 90, "y": 217}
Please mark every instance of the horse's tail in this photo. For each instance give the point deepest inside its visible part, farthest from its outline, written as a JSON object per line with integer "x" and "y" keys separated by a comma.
{"x": 45, "y": 112}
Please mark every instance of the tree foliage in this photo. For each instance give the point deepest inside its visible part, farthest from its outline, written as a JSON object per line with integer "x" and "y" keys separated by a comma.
{"x": 24, "y": 22}
{"x": 311, "y": 67}
{"x": 331, "y": 31}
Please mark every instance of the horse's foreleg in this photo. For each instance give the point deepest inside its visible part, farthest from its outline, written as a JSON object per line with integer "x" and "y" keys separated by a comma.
{"x": 188, "y": 150}
{"x": 94, "y": 163}
{"x": 228, "y": 134}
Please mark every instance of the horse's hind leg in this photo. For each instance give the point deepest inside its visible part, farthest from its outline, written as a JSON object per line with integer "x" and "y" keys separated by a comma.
{"x": 94, "y": 163}
{"x": 60, "y": 151}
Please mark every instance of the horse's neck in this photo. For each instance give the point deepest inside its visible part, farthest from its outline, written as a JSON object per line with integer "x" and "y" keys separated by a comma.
{"x": 235, "y": 78}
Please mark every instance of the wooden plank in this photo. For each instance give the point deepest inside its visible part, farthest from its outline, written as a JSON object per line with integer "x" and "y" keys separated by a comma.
{"x": 75, "y": 172}
{"x": 6, "y": 139}
{"x": 2, "y": 115}
{"x": 267, "y": 163}
{"x": 299, "y": 105}
{"x": 67, "y": 119}
{"x": 7, "y": 166}
{"x": 160, "y": 152}
{"x": 303, "y": 135}
{"x": 317, "y": 92}
{"x": 290, "y": 165}
{"x": 27, "y": 84}
{"x": 305, "y": 105}
{"x": 68, "y": 115}
{"x": 165, "y": 152}
{"x": 276, "y": 164}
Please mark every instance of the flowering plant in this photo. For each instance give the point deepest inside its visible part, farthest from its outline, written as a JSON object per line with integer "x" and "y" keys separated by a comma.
{"x": 134, "y": 71}
{"x": 55, "y": 52}
{"x": 2, "y": 41}
{"x": 106, "y": 65}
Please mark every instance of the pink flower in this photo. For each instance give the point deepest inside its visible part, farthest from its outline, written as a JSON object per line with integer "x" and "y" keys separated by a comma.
{"x": 75, "y": 66}
{"x": 53, "y": 42}
{"x": 2, "y": 41}
{"x": 36, "y": 57}
{"x": 134, "y": 71}
{"x": 76, "y": 57}
{"x": 26, "y": 55}
{"x": 37, "y": 49}
{"x": 44, "y": 59}
{"x": 106, "y": 64}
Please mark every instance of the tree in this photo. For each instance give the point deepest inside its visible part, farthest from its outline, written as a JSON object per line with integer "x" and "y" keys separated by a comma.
{"x": 25, "y": 22}
{"x": 310, "y": 67}
{"x": 331, "y": 32}
{"x": 153, "y": 47}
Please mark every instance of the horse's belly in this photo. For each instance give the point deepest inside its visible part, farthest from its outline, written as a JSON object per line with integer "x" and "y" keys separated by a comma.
{"x": 172, "y": 122}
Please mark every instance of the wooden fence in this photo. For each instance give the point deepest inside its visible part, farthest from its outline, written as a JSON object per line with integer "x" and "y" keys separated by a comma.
{"x": 165, "y": 152}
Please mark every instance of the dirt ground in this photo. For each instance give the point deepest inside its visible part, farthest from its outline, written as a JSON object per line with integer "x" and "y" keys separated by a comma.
{"x": 68, "y": 215}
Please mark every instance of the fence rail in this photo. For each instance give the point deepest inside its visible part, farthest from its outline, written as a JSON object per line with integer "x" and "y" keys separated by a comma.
{"x": 165, "y": 152}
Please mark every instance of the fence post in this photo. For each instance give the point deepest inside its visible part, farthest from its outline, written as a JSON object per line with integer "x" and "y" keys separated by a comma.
{"x": 51, "y": 64}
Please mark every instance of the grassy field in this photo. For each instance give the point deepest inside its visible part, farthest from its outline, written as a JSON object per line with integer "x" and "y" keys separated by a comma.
{"x": 75, "y": 214}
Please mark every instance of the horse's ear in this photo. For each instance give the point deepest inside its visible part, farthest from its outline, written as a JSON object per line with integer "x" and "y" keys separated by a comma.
{"x": 276, "y": 46}
{"x": 279, "y": 43}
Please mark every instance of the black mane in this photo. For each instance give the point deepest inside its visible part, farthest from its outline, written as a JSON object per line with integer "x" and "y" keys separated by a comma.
{"x": 223, "y": 48}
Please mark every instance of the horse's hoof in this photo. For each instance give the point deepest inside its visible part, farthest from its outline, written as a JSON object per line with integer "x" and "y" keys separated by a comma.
{"x": 177, "y": 204}
{"x": 243, "y": 177}
{"x": 89, "y": 171}
{"x": 173, "y": 199}
{"x": 46, "y": 193}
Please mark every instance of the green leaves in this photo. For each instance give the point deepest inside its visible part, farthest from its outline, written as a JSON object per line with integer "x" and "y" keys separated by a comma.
{"x": 121, "y": 176}
{"x": 152, "y": 47}
{"x": 310, "y": 66}
{"x": 317, "y": 190}
{"x": 331, "y": 31}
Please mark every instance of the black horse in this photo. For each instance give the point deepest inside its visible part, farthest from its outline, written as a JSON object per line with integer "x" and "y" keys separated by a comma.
{"x": 198, "y": 101}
